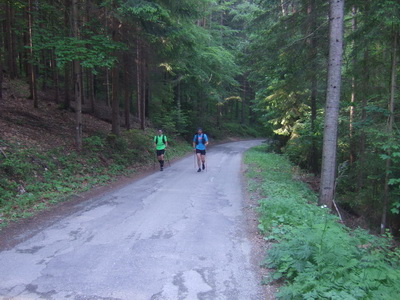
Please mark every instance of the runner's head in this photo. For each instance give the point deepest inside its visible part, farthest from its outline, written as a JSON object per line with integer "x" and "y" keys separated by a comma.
{"x": 199, "y": 130}
{"x": 160, "y": 132}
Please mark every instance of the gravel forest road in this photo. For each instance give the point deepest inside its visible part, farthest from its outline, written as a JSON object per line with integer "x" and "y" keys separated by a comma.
{"x": 172, "y": 235}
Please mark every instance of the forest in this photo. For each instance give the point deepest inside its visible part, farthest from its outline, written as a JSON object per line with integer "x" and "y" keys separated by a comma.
{"x": 258, "y": 67}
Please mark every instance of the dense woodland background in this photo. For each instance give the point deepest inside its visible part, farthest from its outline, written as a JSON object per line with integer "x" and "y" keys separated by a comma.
{"x": 253, "y": 66}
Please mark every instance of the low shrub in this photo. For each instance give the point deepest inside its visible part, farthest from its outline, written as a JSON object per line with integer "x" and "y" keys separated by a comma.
{"x": 313, "y": 255}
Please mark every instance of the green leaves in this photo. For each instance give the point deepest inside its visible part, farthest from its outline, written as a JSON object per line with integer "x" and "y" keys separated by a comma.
{"x": 91, "y": 53}
{"x": 149, "y": 11}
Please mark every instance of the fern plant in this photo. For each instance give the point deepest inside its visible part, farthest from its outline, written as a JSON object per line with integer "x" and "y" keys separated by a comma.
{"x": 315, "y": 257}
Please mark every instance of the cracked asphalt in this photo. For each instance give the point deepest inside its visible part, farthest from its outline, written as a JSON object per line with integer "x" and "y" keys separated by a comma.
{"x": 172, "y": 235}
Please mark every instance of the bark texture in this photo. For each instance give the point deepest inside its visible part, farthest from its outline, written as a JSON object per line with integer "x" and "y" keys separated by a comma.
{"x": 329, "y": 152}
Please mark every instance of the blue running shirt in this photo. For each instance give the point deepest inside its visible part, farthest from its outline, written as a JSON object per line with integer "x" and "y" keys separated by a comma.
{"x": 202, "y": 138}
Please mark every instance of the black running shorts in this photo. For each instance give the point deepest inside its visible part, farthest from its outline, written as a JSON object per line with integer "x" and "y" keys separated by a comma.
{"x": 160, "y": 152}
{"x": 202, "y": 152}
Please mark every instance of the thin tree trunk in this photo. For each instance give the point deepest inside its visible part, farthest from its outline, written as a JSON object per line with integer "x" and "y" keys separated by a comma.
{"x": 83, "y": 95}
{"x": 146, "y": 90}
{"x": 107, "y": 70}
{"x": 329, "y": 152}
{"x": 313, "y": 158}
{"x": 32, "y": 75}
{"x": 108, "y": 101}
{"x": 91, "y": 91}
{"x": 67, "y": 75}
{"x": 115, "y": 82}
{"x": 141, "y": 82}
{"x": 127, "y": 90}
{"x": 365, "y": 88}
{"x": 78, "y": 81}
{"x": 44, "y": 73}
{"x": 10, "y": 41}
{"x": 138, "y": 84}
{"x": 55, "y": 76}
{"x": 14, "y": 43}
{"x": 353, "y": 95}
{"x": 244, "y": 101}
{"x": 1, "y": 69}
{"x": 115, "y": 101}
{"x": 67, "y": 86}
{"x": 6, "y": 34}
{"x": 363, "y": 136}
{"x": 236, "y": 109}
{"x": 390, "y": 132}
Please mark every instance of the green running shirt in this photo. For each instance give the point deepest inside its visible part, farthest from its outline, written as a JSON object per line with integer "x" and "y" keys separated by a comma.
{"x": 159, "y": 142}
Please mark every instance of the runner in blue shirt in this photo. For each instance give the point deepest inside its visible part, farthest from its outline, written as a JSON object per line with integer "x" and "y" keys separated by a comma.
{"x": 200, "y": 141}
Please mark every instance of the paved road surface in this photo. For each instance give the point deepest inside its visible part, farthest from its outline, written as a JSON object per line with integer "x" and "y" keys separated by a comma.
{"x": 172, "y": 235}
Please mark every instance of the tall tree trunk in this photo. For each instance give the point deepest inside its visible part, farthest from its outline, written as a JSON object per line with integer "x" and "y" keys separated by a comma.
{"x": 91, "y": 91}
{"x": 115, "y": 101}
{"x": 365, "y": 88}
{"x": 146, "y": 90}
{"x": 115, "y": 82}
{"x": 115, "y": 120}
{"x": 32, "y": 75}
{"x": 83, "y": 95}
{"x": 236, "y": 110}
{"x": 107, "y": 70}
{"x": 14, "y": 43}
{"x": 77, "y": 81}
{"x": 390, "y": 131}
{"x": 329, "y": 152}
{"x": 56, "y": 83}
{"x": 352, "y": 157}
{"x": 67, "y": 75}
{"x": 313, "y": 158}
{"x": 244, "y": 101}
{"x": 363, "y": 136}
{"x": 44, "y": 73}
{"x": 141, "y": 85}
{"x": 127, "y": 90}
{"x": 108, "y": 101}
{"x": 67, "y": 85}
{"x": 10, "y": 41}
{"x": 138, "y": 83}
{"x": 1, "y": 68}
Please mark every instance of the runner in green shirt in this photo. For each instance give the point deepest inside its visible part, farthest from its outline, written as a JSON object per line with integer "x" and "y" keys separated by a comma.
{"x": 160, "y": 143}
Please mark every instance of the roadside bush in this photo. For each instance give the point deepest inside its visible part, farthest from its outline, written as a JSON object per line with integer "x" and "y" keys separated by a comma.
{"x": 314, "y": 256}
{"x": 94, "y": 143}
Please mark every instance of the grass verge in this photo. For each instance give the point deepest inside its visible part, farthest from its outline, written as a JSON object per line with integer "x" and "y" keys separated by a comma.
{"x": 314, "y": 256}
{"x": 32, "y": 180}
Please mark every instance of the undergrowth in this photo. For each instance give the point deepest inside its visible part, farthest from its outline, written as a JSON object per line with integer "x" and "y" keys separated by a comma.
{"x": 31, "y": 180}
{"x": 314, "y": 256}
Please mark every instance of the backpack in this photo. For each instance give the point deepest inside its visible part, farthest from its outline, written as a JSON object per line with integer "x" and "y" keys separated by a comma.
{"x": 197, "y": 139}
{"x": 156, "y": 139}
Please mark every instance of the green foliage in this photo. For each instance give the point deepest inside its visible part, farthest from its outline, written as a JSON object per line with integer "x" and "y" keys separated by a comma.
{"x": 175, "y": 121}
{"x": 299, "y": 148}
{"x": 316, "y": 257}
{"x": 239, "y": 130}
{"x": 91, "y": 53}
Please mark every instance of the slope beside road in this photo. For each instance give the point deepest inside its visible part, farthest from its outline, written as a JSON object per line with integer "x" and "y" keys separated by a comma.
{"x": 176, "y": 234}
